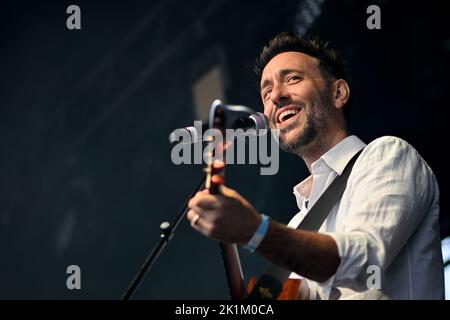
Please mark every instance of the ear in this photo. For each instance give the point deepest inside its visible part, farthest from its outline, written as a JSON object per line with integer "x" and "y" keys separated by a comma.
{"x": 341, "y": 93}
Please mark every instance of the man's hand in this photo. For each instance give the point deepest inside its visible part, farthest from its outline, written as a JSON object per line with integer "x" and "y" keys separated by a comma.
{"x": 230, "y": 218}
{"x": 227, "y": 217}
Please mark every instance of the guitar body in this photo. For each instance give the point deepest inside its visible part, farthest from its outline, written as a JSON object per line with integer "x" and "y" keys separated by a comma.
{"x": 290, "y": 288}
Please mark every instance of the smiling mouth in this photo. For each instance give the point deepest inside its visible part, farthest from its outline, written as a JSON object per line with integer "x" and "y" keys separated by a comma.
{"x": 287, "y": 114}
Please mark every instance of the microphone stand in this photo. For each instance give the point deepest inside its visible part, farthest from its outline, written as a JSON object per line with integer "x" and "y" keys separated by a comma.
{"x": 167, "y": 232}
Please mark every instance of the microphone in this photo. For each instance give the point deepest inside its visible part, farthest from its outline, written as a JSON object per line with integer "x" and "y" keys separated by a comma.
{"x": 256, "y": 121}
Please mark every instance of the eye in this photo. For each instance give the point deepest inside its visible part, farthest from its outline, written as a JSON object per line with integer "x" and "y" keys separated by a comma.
{"x": 294, "y": 78}
{"x": 266, "y": 94}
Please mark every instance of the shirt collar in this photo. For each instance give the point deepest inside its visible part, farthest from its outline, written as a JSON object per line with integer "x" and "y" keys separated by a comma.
{"x": 336, "y": 158}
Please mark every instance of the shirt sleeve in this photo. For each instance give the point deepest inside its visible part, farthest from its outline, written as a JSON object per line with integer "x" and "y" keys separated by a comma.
{"x": 389, "y": 192}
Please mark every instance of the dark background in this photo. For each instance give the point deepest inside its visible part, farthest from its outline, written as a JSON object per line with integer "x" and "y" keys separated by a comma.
{"x": 85, "y": 170}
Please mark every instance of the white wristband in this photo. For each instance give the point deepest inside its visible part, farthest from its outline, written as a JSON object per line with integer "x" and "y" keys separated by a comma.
{"x": 259, "y": 234}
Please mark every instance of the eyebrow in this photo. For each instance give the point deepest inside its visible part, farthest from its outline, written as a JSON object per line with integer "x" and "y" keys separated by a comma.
{"x": 281, "y": 73}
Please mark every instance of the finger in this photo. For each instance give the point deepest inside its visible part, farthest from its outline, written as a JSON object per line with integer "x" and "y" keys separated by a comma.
{"x": 228, "y": 192}
{"x": 218, "y": 180}
{"x": 193, "y": 218}
{"x": 190, "y": 215}
{"x": 194, "y": 221}
{"x": 218, "y": 165}
{"x": 204, "y": 201}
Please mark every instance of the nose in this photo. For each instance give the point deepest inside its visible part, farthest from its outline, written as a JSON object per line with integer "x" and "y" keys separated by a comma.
{"x": 279, "y": 94}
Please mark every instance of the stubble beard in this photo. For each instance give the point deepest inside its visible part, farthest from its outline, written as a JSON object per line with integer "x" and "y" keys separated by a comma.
{"x": 309, "y": 139}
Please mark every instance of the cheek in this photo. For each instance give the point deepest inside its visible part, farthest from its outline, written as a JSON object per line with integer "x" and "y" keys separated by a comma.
{"x": 268, "y": 109}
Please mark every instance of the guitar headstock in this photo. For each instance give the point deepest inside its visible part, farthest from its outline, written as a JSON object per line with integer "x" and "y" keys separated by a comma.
{"x": 215, "y": 170}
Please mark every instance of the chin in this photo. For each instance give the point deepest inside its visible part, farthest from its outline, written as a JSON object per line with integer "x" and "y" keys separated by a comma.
{"x": 291, "y": 137}
{"x": 290, "y": 142}
{"x": 299, "y": 140}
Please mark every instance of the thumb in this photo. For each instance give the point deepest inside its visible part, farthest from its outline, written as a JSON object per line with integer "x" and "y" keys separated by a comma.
{"x": 228, "y": 191}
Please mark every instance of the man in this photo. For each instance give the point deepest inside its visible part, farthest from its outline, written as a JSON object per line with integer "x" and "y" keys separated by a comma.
{"x": 387, "y": 218}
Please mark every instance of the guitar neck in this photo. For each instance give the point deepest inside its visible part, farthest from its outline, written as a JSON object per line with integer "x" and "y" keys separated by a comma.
{"x": 233, "y": 270}
{"x": 230, "y": 254}
{"x": 214, "y": 179}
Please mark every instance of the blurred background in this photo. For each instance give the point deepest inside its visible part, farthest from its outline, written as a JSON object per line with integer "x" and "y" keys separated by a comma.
{"x": 86, "y": 176}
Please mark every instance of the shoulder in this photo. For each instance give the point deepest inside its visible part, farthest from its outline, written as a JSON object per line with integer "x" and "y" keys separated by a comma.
{"x": 390, "y": 143}
{"x": 392, "y": 168}
{"x": 389, "y": 155}
{"x": 390, "y": 148}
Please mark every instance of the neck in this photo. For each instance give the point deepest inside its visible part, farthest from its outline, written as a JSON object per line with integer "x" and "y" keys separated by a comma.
{"x": 321, "y": 146}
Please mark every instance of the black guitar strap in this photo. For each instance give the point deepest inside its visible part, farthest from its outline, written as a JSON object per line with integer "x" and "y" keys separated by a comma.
{"x": 270, "y": 283}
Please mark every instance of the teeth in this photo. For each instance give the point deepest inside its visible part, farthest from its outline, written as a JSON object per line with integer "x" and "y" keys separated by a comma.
{"x": 286, "y": 113}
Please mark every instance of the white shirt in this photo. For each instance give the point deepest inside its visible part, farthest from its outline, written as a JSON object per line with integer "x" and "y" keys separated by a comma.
{"x": 387, "y": 220}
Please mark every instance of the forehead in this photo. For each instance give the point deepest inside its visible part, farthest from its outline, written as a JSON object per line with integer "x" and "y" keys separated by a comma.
{"x": 290, "y": 60}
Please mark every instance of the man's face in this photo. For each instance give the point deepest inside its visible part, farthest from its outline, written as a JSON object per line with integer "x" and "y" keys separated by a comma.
{"x": 297, "y": 100}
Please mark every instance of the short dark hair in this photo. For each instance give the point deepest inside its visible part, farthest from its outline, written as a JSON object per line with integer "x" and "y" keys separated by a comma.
{"x": 331, "y": 63}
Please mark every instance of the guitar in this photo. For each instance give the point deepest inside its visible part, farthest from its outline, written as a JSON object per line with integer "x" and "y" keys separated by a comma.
{"x": 215, "y": 177}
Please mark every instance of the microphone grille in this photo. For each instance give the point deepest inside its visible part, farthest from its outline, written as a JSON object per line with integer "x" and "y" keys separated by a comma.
{"x": 261, "y": 121}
